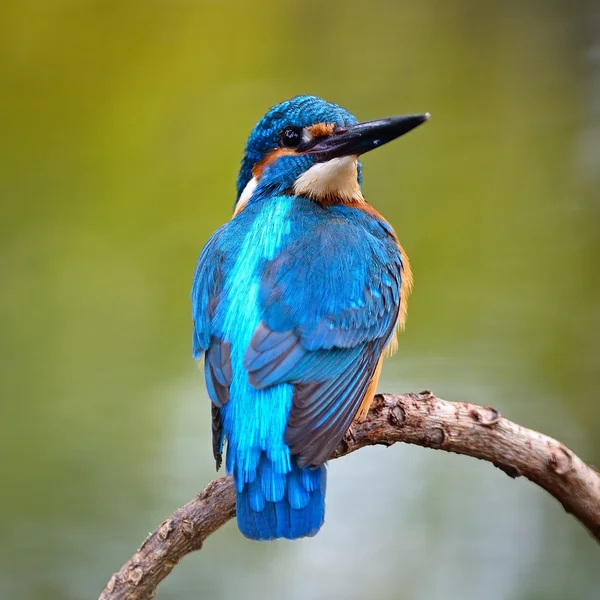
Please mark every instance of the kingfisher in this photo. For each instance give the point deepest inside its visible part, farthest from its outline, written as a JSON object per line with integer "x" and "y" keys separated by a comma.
{"x": 295, "y": 302}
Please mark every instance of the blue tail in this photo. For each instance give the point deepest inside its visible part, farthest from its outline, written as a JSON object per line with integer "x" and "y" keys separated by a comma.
{"x": 275, "y": 497}
{"x": 276, "y": 505}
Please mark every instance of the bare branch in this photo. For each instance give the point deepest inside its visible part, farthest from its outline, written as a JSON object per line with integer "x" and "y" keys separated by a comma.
{"x": 420, "y": 419}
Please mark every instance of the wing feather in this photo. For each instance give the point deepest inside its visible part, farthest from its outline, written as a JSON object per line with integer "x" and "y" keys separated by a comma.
{"x": 206, "y": 291}
{"x": 330, "y": 304}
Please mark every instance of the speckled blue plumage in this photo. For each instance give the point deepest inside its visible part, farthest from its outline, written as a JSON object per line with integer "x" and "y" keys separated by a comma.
{"x": 293, "y": 303}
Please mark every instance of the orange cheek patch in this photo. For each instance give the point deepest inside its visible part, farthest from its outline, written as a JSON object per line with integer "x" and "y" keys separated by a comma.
{"x": 269, "y": 159}
{"x": 321, "y": 129}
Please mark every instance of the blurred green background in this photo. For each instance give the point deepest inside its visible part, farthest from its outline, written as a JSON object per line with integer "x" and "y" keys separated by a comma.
{"x": 122, "y": 126}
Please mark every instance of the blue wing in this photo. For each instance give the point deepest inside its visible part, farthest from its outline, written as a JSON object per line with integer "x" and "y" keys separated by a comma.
{"x": 208, "y": 281}
{"x": 206, "y": 290}
{"x": 330, "y": 304}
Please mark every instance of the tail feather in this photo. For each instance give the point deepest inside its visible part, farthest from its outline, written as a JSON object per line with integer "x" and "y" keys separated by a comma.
{"x": 282, "y": 506}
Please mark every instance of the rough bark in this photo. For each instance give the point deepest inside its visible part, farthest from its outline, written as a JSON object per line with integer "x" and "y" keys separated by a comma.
{"x": 420, "y": 419}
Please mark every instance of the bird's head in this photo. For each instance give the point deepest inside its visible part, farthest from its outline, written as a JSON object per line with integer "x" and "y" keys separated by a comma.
{"x": 309, "y": 147}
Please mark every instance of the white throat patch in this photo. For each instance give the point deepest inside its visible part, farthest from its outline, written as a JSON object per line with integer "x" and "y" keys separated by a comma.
{"x": 331, "y": 181}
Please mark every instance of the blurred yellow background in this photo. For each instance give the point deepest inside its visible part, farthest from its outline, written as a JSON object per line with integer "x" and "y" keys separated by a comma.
{"x": 122, "y": 127}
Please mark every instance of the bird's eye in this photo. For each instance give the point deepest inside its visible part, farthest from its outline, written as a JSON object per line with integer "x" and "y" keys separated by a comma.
{"x": 290, "y": 137}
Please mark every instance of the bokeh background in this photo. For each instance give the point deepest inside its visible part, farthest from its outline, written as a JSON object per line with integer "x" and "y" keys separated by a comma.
{"x": 122, "y": 124}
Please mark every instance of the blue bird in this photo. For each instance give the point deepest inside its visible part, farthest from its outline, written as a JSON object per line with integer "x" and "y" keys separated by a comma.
{"x": 294, "y": 302}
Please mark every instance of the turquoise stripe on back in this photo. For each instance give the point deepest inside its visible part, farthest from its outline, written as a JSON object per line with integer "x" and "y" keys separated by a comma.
{"x": 254, "y": 420}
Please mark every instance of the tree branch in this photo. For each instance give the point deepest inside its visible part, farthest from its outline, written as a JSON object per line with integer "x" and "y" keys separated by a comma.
{"x": 420, "y": 419}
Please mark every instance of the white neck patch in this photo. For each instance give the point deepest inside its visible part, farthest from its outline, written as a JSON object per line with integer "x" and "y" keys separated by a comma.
{"x": 245, "y": 195}
{"x": 333, "y": 180}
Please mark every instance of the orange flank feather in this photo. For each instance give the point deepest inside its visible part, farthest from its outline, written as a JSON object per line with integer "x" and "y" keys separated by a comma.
{"x": 371, "y": 389}
{"x": 406, "y": 286}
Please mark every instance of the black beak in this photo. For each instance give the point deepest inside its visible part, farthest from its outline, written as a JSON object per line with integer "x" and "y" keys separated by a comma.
{"x": 363, "y": 137}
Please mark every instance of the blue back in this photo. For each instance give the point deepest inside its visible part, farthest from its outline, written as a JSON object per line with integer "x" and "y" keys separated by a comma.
{"x": 329, "y": 335}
